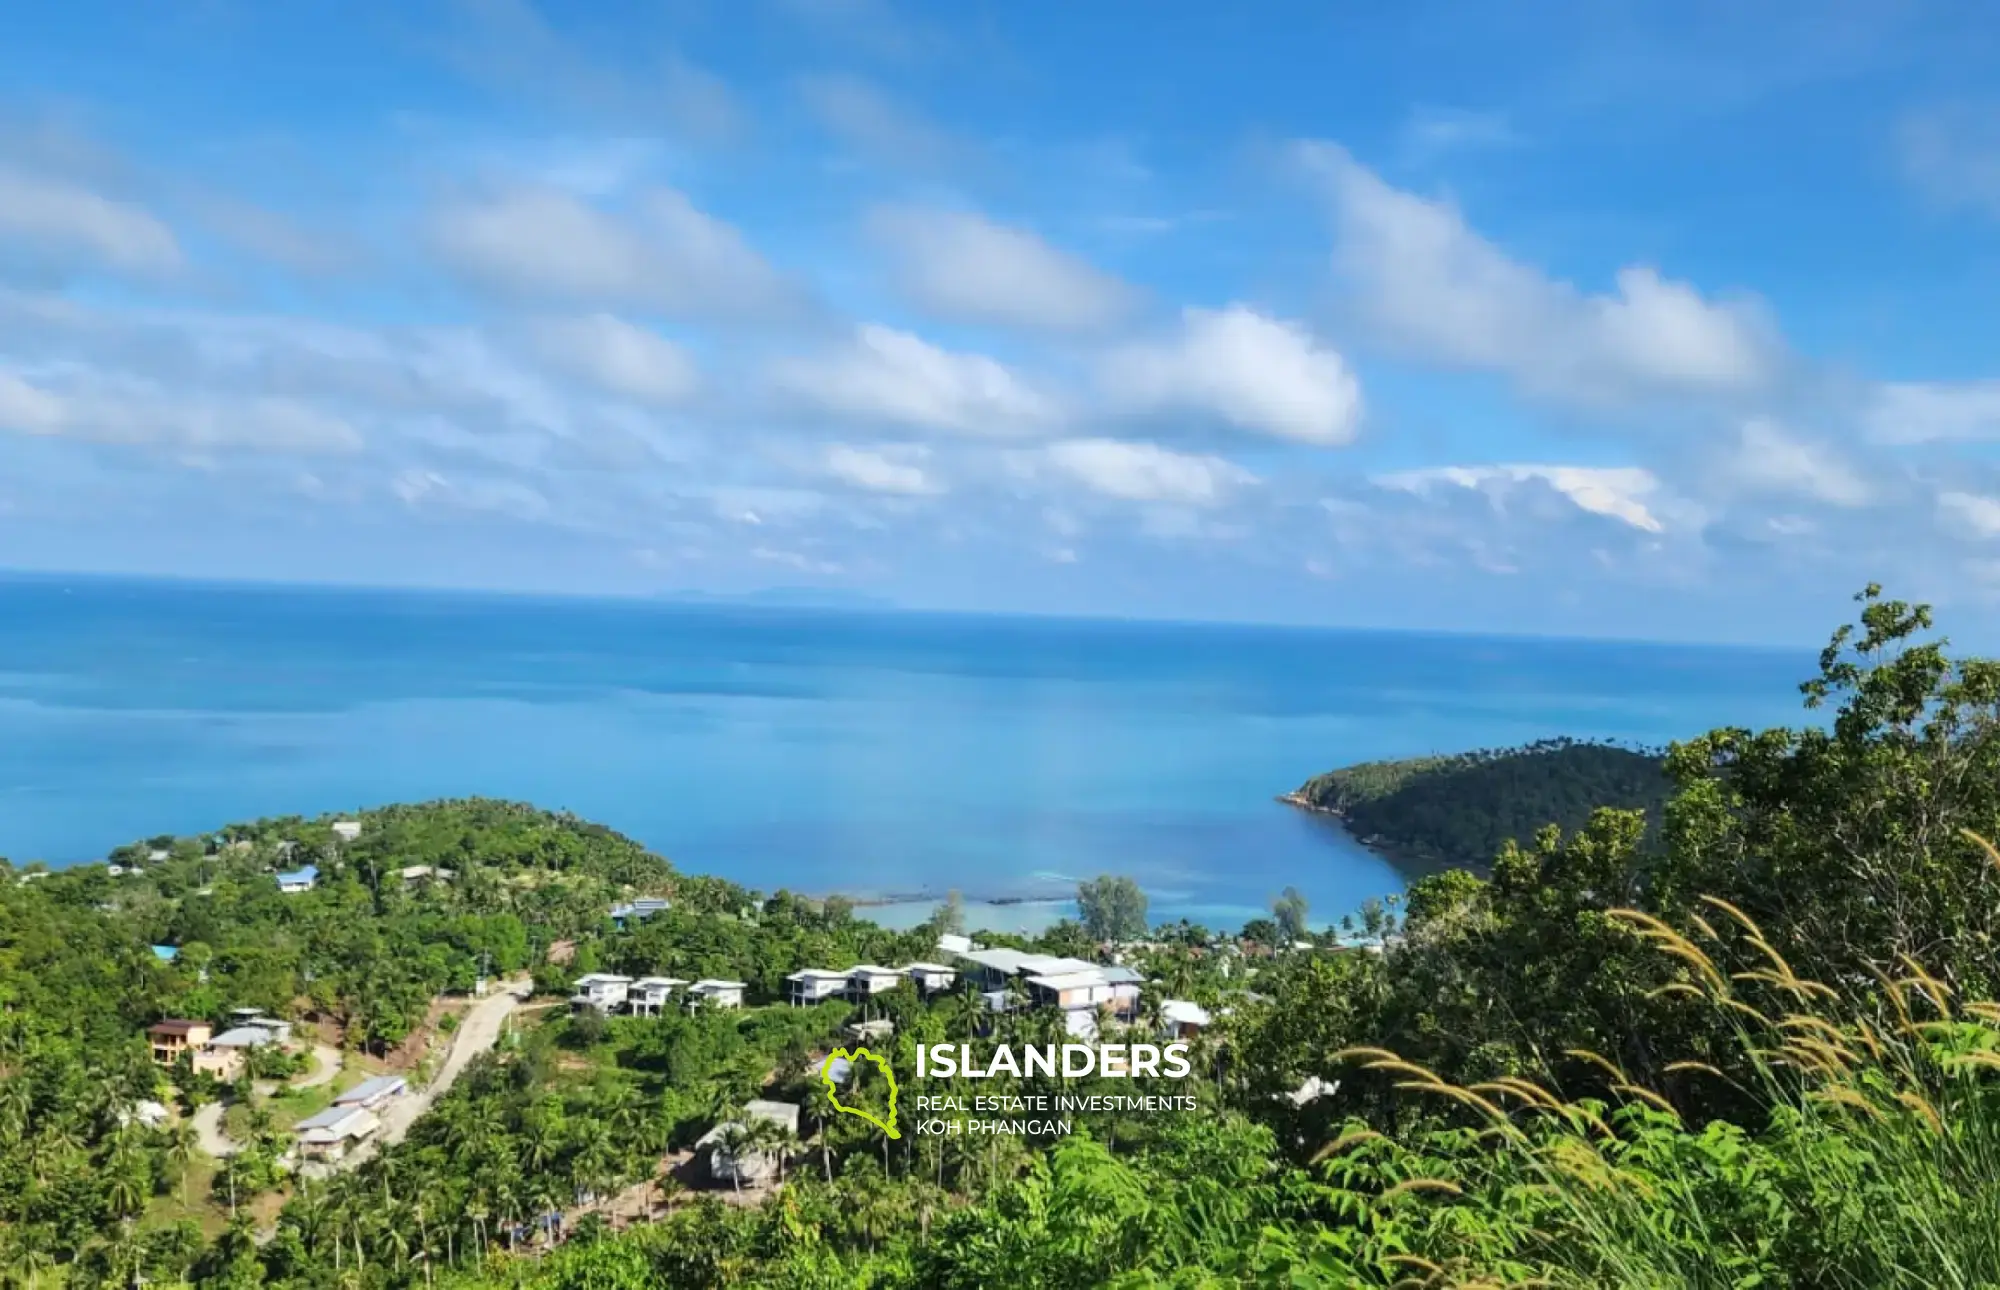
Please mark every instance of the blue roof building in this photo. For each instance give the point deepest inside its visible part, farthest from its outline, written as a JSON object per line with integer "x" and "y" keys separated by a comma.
{"x": 301, "y": 879}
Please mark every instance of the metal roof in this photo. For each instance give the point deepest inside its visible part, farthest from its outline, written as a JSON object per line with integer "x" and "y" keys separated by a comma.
{"x": 373, "y": 1087}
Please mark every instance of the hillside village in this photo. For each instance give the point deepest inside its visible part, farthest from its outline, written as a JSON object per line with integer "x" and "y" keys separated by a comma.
{"x": 320, "y": 995}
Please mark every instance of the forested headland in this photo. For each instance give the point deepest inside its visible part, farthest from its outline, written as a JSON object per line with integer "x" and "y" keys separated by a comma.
{"x": 1747, "y": 1041}
{"x": 1457, "y": 811}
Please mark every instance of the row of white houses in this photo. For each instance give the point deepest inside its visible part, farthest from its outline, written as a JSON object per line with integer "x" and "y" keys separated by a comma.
{"x": 649, "y": 996}
{"x": 815, "y": 985}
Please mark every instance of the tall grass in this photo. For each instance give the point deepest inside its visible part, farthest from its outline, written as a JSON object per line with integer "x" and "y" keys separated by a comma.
{"x": 1876, "y": 1164}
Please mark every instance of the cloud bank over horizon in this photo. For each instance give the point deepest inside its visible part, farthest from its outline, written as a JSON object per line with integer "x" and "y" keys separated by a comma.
{"x": 1520, "y": 333}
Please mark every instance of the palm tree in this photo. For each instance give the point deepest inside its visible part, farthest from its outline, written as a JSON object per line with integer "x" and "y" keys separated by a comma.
{"x": 183, "y": 1144}
{"x": 735, "y": 1140}
{"x": 31, "y": 1252}
{"x": 769, "y": 1137}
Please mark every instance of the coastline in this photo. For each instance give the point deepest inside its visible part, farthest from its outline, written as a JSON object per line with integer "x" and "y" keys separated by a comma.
{"x": 1410, "y": 864}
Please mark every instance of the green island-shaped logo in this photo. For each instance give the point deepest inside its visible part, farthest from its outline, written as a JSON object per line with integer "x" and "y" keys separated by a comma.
{"x": 833, "y": 1093}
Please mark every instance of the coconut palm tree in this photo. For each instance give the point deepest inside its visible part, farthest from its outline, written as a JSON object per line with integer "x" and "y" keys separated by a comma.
{"x": 736, "y": 1141}
{"x": 183, "y": 1144}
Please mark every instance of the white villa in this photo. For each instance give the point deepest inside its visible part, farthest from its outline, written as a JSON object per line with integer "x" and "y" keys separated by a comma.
{"x": 604, "y": 991}
{"x": 716, "y": 994}
{"x": 298, "y": 880}
{"x": 930, "y": 977}
{"x": 814, "y": 985}
{"x": 1183, "y": 1020}
{"x": 347, "y": 830}
{"x": 650, "y": 995}
{"x": 638, "y": 911}
{"x": 868, "y": 980}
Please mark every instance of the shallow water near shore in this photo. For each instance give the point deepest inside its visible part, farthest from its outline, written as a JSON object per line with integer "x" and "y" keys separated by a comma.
{"x": 876, "y": 754}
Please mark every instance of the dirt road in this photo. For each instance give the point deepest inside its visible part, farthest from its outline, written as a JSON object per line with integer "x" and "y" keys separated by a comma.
{"x": 207, "y": 1123}
{"x": 478, "y": 1030}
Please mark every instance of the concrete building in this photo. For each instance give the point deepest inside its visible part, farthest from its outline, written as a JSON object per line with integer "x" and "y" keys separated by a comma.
{"x": 1183, "y": 1020}
{"x": 716, "y": 994}
{"x": 604, "y": 991}
{"x": 335, "y": 1131}
{"x": 930, "y": 978}
{"x": 177, "y": 1035}
{"x": 808, "y": 986}
{"x": 638, "y": 911}
{"x": 298, "y": 880}
{"x": 868, "y": 980}
{"x": 650, "y": 995}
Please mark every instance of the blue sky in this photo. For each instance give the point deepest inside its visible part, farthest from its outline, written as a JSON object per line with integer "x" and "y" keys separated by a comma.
{"x": 1576, "y": 317}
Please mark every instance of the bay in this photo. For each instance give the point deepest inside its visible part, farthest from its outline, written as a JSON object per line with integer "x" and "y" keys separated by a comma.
{"x": 879, "y": 754}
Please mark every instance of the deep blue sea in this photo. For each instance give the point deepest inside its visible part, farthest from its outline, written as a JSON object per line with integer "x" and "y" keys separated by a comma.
{"x": 864, "y": 752}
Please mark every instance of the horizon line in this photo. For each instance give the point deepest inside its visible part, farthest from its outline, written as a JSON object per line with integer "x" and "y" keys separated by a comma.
{"x": 859, "y": 604}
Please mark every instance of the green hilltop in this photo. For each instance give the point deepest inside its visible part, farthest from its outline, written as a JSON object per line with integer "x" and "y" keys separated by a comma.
{"x": 1458, "y": 811}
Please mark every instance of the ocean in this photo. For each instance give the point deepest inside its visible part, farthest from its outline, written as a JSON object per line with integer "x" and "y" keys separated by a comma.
{"x": 878, "y": 754}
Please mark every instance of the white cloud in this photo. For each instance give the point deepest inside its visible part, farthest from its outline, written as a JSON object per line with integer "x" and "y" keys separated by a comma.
{"x": 1434, "y": 130}
{"x": 1622, "y": 493}
{"x": 894, "y": 378}
{"x": 882, "y": 470}
{"x": 862, "y": 117}
{"x": 666, "y": 256}
{"x": 1432, "y": 283}
{"x": 963, "y": 266}
{"x": 1921, "y": 412}
{"x": 25, "y": 409}
{"x": 1770, "y": 459}
{"x": 1256, "y": 373}
{"x": 1952, "y": 154}
{"x": 55, "y": 215}
{"x": 1137, "y": 472}
{"x": 105, "y": 408}
{"x": 431, "y": 490}
{"x": 1972, "y": 514}
{"x": 618, "y": 357}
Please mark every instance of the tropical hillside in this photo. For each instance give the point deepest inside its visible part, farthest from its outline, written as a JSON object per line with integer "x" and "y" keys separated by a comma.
{"x": 1755, "y": 1051}
{"x": 1457, "y": 811}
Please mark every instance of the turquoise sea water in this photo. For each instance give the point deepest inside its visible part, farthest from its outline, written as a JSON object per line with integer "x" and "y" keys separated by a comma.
{"x": 876, "y": 754}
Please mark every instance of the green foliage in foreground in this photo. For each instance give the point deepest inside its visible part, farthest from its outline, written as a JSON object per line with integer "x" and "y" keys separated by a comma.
{"x": 1431, "y": 813}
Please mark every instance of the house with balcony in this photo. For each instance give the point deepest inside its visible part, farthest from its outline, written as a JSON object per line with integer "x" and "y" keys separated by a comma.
{"x": 868, "y": 980}
{"x": 604, "y": 991}
{"x": 808, "y": 986}
{"x": 177, "y": 1035}
{"x": 650, "y": 995}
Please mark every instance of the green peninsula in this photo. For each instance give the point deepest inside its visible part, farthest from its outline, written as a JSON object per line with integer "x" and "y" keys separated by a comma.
{"x": 1428, "y": 814}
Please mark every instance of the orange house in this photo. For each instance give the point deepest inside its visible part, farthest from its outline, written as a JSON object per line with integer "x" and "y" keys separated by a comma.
{"x": 175, "y": 1036}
